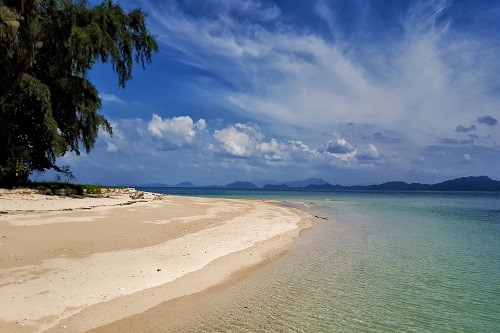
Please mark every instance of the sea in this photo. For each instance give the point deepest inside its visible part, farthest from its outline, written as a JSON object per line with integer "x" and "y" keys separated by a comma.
{"x": 381, "y": 262}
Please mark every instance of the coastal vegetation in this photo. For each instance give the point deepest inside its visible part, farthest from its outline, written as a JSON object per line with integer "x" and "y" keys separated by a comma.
{"x": 48, "y": 106}
{"x": 62, "y": 188}
{"x": 57, "y": 188}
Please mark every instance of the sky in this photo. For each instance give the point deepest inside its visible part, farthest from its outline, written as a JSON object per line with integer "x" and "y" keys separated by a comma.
{"x": 350, "y": 91}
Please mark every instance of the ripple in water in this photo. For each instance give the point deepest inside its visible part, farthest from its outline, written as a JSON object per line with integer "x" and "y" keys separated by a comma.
{"x": 384, "y": 263}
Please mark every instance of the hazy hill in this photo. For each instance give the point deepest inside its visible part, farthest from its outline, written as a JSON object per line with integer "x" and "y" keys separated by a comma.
{"x": 393, "y": 186}
{"x": 185, "y": 184}
{"x": 277, "y": 187}
{"x": 148, "y": 185}
{"x": 482, "y": 183}
{"x": 242, "y": 185}
{"x": 304, "y": 183}
{"x": 325, "y": 187}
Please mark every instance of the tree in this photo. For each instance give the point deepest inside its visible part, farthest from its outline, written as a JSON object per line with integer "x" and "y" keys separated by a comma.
{"x": 48, "y": 106}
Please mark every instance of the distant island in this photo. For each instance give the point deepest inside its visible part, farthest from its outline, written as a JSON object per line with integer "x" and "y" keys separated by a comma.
{"x": 480, "y": 183}
{"x": 242, "y": 185}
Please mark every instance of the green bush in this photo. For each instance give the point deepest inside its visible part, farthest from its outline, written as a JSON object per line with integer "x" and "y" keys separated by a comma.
{"x": 92, "y": 189}
{"x": 55, "y": 187}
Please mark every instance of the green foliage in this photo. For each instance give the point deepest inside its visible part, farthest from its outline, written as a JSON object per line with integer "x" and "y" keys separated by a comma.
{"x": 54, "y": 188}
{"x": 92, "y": 189}
{"x": 47, "y": 104}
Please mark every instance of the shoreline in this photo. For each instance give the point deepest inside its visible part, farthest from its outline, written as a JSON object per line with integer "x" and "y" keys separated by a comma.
{"x": 175, "y": 315}
{"x": 203, "y": 243}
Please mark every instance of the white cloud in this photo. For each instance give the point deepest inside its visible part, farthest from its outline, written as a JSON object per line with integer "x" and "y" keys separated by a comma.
{"x": 110, "y": 98}
{"x": 340, "y": 149}
{"x": 116, "y": 141}
{"x": 135, "y": 136}
{"x": 325, "y": 13}
{"x": 256, "y": 9}
{"x": 175, "y": 132}
{"x": 272, "y": 151}
{"x": 111, "y": 147}
{"x": 339, "y": 146}
{"x": 299, "y": 147}
{"x": 241, "y": 140}
{"x": 370, "y": 153}
{"x": 405, "y": 88}
{"x": 300, "y": 152}
{"x": 130, "y": 137}
{"x": 285, "y": 74}
{"x": 291, "y": 152}
{"x": 238, "y": 140}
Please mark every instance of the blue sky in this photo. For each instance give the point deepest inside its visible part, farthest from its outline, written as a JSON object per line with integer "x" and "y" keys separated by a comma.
{"x": 351, "y": 91}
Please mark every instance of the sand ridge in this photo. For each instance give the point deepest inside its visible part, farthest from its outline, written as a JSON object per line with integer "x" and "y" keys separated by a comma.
{"x": 58, "y": 265}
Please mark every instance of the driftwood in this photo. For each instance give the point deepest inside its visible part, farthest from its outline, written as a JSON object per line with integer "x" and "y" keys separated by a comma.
{"x": 321, "y": 217}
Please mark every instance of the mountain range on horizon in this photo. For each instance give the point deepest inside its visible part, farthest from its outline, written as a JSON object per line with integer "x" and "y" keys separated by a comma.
{"x": 472, "y": 183}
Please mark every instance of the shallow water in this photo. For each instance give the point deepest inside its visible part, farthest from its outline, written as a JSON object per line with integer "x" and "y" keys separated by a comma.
{"x": 383, "y": 262}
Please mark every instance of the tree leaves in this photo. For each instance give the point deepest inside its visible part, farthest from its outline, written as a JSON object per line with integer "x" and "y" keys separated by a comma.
{"x": 47, "y": 104}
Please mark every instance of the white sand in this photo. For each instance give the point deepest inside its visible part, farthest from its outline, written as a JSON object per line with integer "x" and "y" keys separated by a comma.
{"x": 82, "y": 268}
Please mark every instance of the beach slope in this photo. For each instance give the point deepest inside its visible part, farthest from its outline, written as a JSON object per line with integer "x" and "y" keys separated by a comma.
{"x": 75, "y": 264}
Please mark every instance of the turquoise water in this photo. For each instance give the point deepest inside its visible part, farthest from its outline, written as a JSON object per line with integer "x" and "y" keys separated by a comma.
{"x": 383, "y": 262}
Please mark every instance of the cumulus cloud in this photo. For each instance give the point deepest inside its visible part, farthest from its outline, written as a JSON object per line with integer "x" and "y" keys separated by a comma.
{"x": 175, "y": 132}
{"x": 340, "y": 149}
{"x": 238, "y": 140}
{"x": 301, "y": 151}
{"x": 370, "y": 153}
{"x": 245, "y": 141}
{"x": 117, "y": 141}
{"x": 345, "y": 152}
{"x": 487, "y": 120}
{"x": 272, "y": 151}
{"x": 291, "y": 151}
{"x": 339, "y": 146}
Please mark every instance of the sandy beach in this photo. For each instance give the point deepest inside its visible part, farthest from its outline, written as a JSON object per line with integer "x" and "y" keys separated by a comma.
{"x": 76, "y": 264}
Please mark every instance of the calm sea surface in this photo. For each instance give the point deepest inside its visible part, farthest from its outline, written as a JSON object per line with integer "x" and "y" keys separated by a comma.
{"x": 383, "y": 262}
